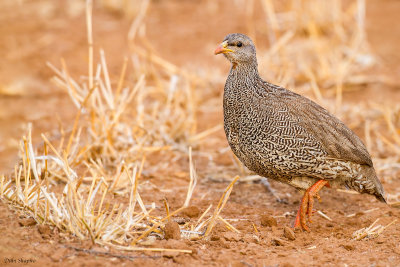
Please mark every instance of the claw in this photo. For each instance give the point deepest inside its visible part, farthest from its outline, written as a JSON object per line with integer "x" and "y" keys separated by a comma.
{"x": 306, "y": 206}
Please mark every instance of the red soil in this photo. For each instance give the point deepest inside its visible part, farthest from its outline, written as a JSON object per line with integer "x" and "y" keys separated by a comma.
{"x": 28, "y": 39}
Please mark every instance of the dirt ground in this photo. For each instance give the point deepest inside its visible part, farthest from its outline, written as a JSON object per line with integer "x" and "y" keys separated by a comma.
{"x": 31, "y": 35}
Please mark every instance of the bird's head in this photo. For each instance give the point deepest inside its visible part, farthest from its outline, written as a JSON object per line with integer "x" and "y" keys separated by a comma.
{"x": 238, "y": 49}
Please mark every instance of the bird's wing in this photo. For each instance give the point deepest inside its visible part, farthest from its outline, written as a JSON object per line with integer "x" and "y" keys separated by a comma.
{"x": 338, "y": 141}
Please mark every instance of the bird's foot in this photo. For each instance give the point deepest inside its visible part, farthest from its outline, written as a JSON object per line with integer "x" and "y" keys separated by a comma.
{"x": 306, "y": 205}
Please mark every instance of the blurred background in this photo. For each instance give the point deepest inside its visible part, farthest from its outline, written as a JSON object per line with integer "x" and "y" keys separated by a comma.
{"x": 342, "y": 54}
{"x": 308, "y": 46}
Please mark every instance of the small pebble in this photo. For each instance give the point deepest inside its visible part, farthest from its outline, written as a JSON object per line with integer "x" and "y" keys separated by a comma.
{"x": 172, "y": 230}
{"x": 267, "y": 220}
{"x": 277, "y": 242}
{"x": 27, "y": 222}
{"x": 191, "y": 212}
{"x": 215, "y": 238}
{"x": 288, "y": 233}
{"x": 348, "y": 247}
{"x": 44, "y": 230}
{"x": 170, "y": 254}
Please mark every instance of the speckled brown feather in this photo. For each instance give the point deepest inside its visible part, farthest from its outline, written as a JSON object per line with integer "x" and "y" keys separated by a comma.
{"x": 287, "y": 137}
{"x": 336, "y": 138}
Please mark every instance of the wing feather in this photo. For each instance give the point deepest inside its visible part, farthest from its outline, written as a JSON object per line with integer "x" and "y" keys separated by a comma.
{"x": 338, "y": 141}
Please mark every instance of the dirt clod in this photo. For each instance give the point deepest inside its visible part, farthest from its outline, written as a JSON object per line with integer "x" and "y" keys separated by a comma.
{"x": 26, "y": 222}
{"x": 251, "y": 238}
{"x": 231, "y": 236}
{"x": 359, "y": 214}
{"x": 215, "y": 238}
{"x": 267, "y": 220}
{"x": 191, "y": 212}
{"x": 170, "y": 254}
{"x": 278, "y": 242}
{"x": 172, "y": 230}
{"x": 288, "y": 233}
{"x": 44, "y": 231}
{"x": 348, "y": 247}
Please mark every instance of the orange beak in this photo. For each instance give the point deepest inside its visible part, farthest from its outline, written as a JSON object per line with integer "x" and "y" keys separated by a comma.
{"x": 222, "y": 48}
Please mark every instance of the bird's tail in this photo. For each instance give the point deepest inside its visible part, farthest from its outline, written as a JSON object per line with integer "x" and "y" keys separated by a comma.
{"x": 380, "y": 197}
{"x": 378, "y": 191}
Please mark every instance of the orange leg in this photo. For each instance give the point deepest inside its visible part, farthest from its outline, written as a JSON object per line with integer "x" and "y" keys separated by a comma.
{"x": 307, "y": 203}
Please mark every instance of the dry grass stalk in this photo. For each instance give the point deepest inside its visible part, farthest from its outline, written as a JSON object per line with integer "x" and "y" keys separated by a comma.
{"x": 220, "y": 206}
{"x": 137, "y": 22}
{"x": 104, "y": 155}
{"x": 326, "y": 47}
{"x": 117, "y": 129}
{"x": 371, "y": 231}
{"x": 145, "y": 249}
{"x": 193, "y": 179}
{"x": 324, "y": 215}
{"x": 367, "y": 211}
{"x": 228, "y": 225}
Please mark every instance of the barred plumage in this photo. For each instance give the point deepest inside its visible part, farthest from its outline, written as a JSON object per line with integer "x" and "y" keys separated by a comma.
{"x": 284, "y": 136}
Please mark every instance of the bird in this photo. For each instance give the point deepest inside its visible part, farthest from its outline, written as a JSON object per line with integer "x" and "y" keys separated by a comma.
{"x": 281, "y": 135}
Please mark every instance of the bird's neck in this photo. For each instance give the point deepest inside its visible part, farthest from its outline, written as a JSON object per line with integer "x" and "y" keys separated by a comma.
{"x": 242, "y": 76}
{"x": 240, "y": 84}
{"x": 244, "y": 71}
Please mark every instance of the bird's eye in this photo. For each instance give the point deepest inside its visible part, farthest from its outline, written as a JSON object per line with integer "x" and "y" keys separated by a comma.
{"x": 239, "y": 44}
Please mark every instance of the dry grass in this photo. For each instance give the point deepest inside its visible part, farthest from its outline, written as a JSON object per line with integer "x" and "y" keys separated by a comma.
{"x": 371, "y": 231}
{"x": 71, "y": 182}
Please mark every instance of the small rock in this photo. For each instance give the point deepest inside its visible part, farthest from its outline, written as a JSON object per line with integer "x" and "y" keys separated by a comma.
{"x": 277, "y": 242}
{"x": 251, "y": 238}
{"x": 288, "y": 233}
{"x": 222, "y": 243}
{"x": 172, "y": 230}
{"x": 389, "y": 213}
{"x": 359, "y": 214}
{"x": 27, "y": 222}
{"x": 231, "y": 236}
{"x": 267, "y": 220}
{"x": 348, "y": 247}
{"x": 194, "y": 237}
{"x": 44, "y": 230}
{"x": 170, "y": 254}
{"x": 191, "y": 212}
{"x": 329, "y": 224}
{"x": 215, "y": 238}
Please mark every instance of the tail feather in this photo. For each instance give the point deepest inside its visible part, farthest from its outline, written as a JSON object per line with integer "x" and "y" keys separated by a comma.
{"x": 380, "y": 198}
{"x": 378, "y": 191}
